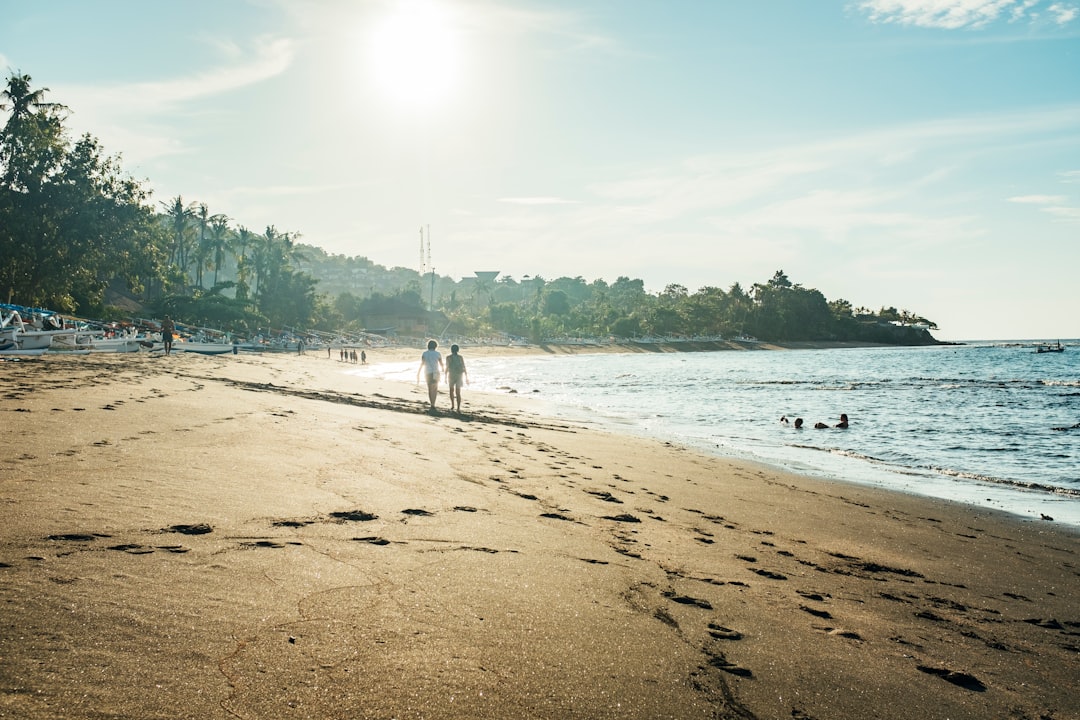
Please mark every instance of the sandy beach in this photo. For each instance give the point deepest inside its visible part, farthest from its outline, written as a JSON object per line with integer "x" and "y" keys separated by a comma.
{"x": 265, "y": 536}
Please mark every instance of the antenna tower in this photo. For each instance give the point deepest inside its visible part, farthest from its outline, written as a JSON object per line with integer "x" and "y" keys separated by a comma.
{"x": 425, "y": 251}
{"x": 423, "y": 255}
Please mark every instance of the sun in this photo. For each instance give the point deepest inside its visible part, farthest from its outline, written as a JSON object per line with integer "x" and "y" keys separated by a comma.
{"x": 414, "y": 54}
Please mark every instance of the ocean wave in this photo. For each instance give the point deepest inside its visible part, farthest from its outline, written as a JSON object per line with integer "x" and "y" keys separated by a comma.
{"x": 1061, "y": 383}
{"x": 1017, "y": 484}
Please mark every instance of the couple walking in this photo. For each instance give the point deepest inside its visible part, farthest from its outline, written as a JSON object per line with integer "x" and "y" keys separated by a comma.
{"x": 431, "y": 364}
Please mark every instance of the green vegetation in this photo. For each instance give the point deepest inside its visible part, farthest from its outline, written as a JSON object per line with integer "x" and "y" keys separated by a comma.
{"x": 78, "y": 235}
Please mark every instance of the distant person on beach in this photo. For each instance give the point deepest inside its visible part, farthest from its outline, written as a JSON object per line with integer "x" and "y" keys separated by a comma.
{"x": 843, "y": 422}
{"x": 431, "y": 364}
{"x": 363, "y": 357}
{"x": 798, "y": 423}
{"x": 168, "y": 329}
{"x": 455, "y": 370}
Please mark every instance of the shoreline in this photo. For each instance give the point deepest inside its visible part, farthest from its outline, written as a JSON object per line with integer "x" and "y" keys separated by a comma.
{"x": 265, "y": 536}
{"x": 1024, "y": 502}
{"x": 397, "y": 353}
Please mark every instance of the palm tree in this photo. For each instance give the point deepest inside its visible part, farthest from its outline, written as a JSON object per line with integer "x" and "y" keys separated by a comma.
{"x": 180, "y": 217}
{"x": 220, "y": 240}
{"x": 22, "y": 101}
{"x": 202, "y": 248}
{"x": 273, "y": 253}
{"x": 32, "y": 141}
{"x": 244, "y": 239}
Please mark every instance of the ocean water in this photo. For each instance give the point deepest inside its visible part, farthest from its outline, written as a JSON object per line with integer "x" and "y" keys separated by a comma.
{"x": 991, "y": 424}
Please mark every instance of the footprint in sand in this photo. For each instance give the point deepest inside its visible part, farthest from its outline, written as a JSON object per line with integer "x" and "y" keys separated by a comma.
{"x": 687, "y": 600}
{"x": 192, "y": 529}
{"x": 961, "y": 679}
{"x": 824, "y": 614}
{"x": 133, "y": 549}
{"x": 77, "y": 537}
{"x": 717, "y": 660}
{"x": 272, "y": 544}
{"x": 838, "y": 632}
{"x": 719, "y": 632}
{"x": 354, "y": 516}
{"x": 372, "y": 540}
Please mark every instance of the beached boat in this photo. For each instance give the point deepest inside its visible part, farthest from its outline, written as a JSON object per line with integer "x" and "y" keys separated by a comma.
{"x": 1050, "y": 348}
{"x": 15, "y": 350}
{"x": 98, "y": 342}
{"x": 200, "y": 346}
{"x": 36, "y": 335}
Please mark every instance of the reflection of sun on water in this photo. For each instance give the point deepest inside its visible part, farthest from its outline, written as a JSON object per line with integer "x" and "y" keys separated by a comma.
{"x": 414, "y": 53}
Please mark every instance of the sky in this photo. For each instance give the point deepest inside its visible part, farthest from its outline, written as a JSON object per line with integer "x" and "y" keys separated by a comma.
{"x": 919, "y": 154}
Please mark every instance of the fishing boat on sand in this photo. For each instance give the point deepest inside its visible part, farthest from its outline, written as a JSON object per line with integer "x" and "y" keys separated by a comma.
{"x": 38, "y": 334}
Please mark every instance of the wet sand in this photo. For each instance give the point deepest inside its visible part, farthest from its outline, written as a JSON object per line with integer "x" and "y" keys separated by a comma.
{"x": 264, "y": 536}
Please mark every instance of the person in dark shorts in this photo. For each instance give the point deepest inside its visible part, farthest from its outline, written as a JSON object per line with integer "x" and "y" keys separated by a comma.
{"x": 168, "y": 330}
{"x": 455, "y": 371}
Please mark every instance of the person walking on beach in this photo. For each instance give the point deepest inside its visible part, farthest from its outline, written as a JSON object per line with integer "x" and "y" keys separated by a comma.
{"x": 455, "y": 370}
{"x": 431, "y": 364}
{"x": 168, "y": 329}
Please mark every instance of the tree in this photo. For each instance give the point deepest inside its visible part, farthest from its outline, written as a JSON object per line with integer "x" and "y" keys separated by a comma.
{"x": 780, "y": 280}
{"x": 556, "y": 303}
{"x": 202, "y": 245}
{"x": 70, "y": 221}
{"x": 841, "y": 308}
{"x": 32, "y": 143}
{"x": 244, "y": 240}
{"x": 220, "y": 241}
{"x": 179, "y": 218}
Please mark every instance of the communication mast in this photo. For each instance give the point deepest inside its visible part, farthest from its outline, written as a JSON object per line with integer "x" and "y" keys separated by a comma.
{"x": 425, "y": 253}
{"x": 425, "y": 262}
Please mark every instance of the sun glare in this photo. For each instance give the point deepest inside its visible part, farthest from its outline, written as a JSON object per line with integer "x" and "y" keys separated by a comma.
{"x": 415, "y": 55}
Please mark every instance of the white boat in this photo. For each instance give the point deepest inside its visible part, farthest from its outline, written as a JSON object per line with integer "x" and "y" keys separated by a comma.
{"x": 30, "y": 336}
{"x": 12, "y": 349}
{"x": 98, "y": 342}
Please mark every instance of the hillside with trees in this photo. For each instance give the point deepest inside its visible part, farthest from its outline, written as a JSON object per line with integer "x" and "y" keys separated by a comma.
{"x": 78, "y": 235}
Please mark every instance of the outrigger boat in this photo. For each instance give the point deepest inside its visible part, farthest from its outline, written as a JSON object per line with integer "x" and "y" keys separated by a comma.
{"x": 37, "y": 335}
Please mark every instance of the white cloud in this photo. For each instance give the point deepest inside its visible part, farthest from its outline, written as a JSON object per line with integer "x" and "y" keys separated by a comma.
{"x": 1020, "y": 11}
{"x": 957, "y": 14}
{"x": 1066, "y": 213}
{"x": 272, "y": 57}
{"x": 537, "y": 201}
{"x": 139, "y": 117}
{"x": 1038, "y": 199}
{"x": 1064, "y": 14}
{"x": 1055, "y": 205}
